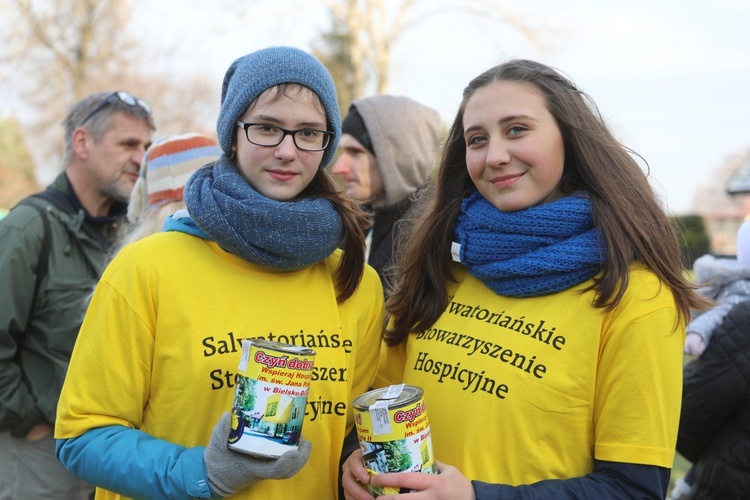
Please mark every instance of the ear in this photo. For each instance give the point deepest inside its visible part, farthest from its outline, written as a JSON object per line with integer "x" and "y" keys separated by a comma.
{"x": 81, "y": 142}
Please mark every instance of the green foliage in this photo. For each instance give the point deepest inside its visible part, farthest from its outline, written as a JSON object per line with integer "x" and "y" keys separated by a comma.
{"x": 397, "y": 455}
{"x": 333, "y": 51}
{"x": 245, "y": 396}
{"x": 14, "y": 155}
{"x": 692, "y": 236}
{"x": 679, "y": 469}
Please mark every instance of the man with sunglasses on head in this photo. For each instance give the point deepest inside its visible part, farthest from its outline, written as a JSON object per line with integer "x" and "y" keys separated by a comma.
{"x": 53, "y": 249}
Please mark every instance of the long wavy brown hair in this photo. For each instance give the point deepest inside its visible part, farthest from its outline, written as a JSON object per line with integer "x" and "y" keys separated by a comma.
{"x": 626, "y": 211}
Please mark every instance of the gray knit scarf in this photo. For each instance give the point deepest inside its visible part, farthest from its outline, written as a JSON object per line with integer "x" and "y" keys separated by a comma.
{"x": 536, "y": 251}
{"x": 283, "y": 235}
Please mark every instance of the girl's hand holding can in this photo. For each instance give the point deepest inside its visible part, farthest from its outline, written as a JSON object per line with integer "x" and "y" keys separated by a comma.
{"x": 229, "y": 471}
{"x": 448, "y": 484}
{"x": 354, "y": 478}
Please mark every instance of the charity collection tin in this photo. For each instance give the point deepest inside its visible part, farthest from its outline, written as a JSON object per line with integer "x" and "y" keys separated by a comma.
{"x": 393, "y": 432}
{"x": 271, "y": 391}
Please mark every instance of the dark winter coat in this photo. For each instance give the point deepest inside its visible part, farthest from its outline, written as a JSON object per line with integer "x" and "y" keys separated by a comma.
{"x": 715, "y": 422}
{"x": 405, "y": 137}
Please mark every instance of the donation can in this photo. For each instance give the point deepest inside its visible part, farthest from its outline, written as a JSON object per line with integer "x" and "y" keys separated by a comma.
{"x": 270, "y": 397}
{"x": 393, "y": 432}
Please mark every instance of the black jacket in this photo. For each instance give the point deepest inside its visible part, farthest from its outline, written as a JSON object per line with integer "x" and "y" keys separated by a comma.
{"x": 385, "y": 232}
{"x": 715, "y": 422}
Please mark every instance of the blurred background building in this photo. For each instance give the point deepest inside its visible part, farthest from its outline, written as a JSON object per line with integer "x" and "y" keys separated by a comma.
{"x": 724, "y": 202}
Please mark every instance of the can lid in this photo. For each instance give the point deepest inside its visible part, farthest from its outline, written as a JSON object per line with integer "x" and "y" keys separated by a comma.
{"x": 409, "y": 394}
{"x": 280, "y": 346}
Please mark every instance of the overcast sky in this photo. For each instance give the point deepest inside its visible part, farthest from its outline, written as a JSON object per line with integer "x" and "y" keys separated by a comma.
{"x": 672, "y": 77}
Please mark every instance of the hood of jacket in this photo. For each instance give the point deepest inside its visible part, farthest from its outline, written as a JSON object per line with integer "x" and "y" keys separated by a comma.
{"x": 715, "y": 273}
{"x": 406, "y": 138}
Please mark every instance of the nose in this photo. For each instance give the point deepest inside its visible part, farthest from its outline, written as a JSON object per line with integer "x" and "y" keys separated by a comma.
{"x": 286, "y": 149}
{"x": 138, "y": 156}
{"x": 341, "y": 167}
{"x": 497, "y": 153}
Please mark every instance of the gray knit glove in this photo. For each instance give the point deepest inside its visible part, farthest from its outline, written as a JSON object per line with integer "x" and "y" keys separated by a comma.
{"x": 230, "y": 471}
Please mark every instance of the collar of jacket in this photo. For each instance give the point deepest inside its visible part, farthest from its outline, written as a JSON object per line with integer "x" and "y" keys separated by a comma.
{"x": 80, "y": 223}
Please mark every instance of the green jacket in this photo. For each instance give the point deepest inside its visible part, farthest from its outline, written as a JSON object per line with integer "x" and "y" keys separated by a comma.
{"x": 34, "y": 357}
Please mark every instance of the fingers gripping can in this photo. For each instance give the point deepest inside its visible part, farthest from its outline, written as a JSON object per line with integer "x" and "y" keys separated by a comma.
{"x": 270, "y": 396}
{"x": 393, "y": 432}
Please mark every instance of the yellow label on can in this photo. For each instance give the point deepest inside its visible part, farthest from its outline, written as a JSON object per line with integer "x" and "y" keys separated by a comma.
{"x": 273, "y": 383}
{"x": 401, "y": 445}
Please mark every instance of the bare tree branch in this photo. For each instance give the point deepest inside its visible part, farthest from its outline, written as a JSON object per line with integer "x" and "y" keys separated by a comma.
{"x": 373, "y": 27}
{"x": 54, "y": 52}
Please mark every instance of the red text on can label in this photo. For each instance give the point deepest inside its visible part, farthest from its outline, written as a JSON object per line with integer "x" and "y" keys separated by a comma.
{"x": 272, "y": 385}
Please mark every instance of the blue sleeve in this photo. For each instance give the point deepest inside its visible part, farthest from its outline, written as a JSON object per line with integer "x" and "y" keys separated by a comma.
{"x": 135, "y": 464}
{"x": 609, "y": 480}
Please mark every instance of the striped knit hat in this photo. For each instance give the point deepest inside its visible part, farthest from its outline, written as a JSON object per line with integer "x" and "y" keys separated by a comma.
{"x": 166, "y": 167}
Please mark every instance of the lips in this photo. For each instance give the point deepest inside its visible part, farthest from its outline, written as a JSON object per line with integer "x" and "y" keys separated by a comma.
{"x": 502, "y": 181}
{"x": 282, "y": 175}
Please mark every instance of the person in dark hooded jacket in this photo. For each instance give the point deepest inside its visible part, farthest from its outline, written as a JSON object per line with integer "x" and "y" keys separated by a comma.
{"x": 714, "y": 430}
{"x": 387, "y": 151}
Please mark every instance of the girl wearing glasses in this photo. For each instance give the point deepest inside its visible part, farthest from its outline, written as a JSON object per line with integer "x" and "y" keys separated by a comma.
{"x": 540, "y": 304}
{"x": 268, "y": 248}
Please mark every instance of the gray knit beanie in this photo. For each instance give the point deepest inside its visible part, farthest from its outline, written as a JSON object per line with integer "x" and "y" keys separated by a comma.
{"x": 250, "y": 75}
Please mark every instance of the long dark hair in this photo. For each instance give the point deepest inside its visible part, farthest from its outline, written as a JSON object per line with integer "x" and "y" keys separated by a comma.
{"x": 626, "y": 211}
{"x": 356, "y": 222}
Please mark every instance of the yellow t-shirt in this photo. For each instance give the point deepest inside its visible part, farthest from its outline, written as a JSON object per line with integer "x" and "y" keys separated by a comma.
{"x": 161, "y": 344}
{"x": 521, "y": 390}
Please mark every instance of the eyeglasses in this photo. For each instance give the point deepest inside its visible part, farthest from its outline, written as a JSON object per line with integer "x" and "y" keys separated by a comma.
{"x": 262, "y": 134}
{"x": 124, "y": 98}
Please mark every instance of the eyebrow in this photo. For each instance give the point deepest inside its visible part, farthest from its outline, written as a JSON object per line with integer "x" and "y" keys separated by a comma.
{"x": 276, "y": 121}
{"x": 504, "y": 121}
{"x": 354, "y": 148}
{"x": 133, "y": 141}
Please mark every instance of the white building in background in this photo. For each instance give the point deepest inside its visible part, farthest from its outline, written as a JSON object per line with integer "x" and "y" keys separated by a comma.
{"x": 724, "y": 203}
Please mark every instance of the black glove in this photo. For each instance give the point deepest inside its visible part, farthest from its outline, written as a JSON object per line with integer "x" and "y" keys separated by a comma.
{"x": 230, "y": 471}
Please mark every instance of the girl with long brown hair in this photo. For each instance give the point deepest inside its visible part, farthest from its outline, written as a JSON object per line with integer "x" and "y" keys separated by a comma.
{"x": 540, "y": 304}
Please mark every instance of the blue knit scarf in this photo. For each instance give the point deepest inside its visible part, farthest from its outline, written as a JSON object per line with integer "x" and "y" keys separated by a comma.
{"x": 283, "y": 235}
{"x": 536, "y": 251}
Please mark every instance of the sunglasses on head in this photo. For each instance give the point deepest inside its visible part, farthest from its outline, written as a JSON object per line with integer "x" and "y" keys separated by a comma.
{"x": 124, "y": 98}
